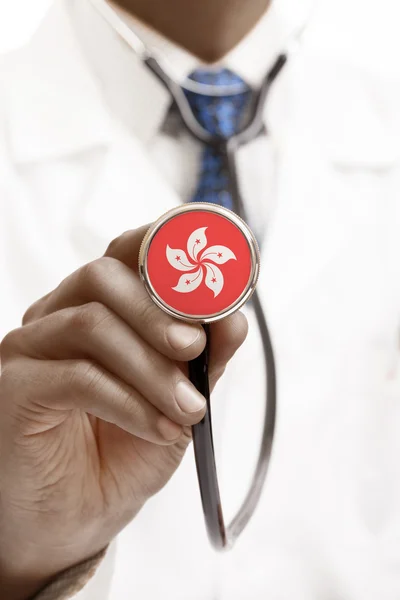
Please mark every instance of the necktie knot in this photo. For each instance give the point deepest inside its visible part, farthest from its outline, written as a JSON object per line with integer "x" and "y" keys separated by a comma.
{"x": 221, "y": 112}
{"x": 220, "y": 109}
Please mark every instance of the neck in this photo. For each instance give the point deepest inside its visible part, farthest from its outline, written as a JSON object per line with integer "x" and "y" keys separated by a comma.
{"x": 206, "y": 28}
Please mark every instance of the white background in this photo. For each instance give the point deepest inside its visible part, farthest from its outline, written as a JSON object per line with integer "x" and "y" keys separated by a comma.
{"x": 18, "y": 19}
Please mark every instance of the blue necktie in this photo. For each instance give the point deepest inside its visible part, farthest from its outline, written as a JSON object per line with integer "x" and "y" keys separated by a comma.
{"x": 221, "y": 116}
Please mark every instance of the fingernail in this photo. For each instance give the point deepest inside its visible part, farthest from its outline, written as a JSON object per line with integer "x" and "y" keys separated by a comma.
{"x": 168, "y": 429}
{"x": 181, "y": 336}
{"x": 188, "y": 398}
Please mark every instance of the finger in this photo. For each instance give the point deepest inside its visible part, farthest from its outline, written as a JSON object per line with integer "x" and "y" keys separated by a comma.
{"x": 110, "y": 282}
{"x": 48, "y": 390}
{"x": 93, "y": 331}
{"x": 226, "y": 336}
{"x": 125, "y": 248}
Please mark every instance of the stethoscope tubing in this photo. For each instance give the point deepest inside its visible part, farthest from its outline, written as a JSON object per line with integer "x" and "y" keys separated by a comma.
{"x": 223, "y": 537}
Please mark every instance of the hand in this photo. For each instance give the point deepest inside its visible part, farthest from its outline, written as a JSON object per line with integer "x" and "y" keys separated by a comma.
{"x": 95, "y": 414}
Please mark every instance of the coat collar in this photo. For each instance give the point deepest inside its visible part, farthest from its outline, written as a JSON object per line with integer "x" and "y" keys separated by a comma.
{"x": 57, "y": 103}
{"x": 52, "y": 103}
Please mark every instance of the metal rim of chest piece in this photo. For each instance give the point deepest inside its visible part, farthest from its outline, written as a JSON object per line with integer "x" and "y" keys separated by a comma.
{"x": 247, "y": 234}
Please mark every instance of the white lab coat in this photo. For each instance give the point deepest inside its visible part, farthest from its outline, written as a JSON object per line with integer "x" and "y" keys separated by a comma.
{"x": 328, "y": 525}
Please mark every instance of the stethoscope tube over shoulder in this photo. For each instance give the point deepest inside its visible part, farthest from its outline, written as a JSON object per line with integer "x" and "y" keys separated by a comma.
{"x": 252, "y": 129}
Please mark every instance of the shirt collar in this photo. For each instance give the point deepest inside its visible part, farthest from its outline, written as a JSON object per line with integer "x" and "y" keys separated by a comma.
{"x": 136, "y": 96}
{"x": 250, "y": 59}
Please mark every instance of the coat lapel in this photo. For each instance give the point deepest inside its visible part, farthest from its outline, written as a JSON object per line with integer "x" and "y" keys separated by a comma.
{"x": 310, "y": 225}
{"x": 325, "y": 154}
{"x": 125, "y": 190}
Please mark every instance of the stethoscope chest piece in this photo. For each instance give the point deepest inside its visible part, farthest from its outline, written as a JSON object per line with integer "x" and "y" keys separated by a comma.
{"x": 199, "y": 262}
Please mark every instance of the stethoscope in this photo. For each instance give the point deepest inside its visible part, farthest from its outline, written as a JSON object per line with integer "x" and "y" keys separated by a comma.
{"x": 222, "y": 536}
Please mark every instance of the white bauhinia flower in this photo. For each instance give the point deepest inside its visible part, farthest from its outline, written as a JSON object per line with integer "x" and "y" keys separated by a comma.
{"x": 201, "y": 264}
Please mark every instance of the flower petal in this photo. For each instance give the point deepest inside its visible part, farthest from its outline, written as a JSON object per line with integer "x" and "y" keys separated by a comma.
{"x": 218, "y": 254}
{"x": 179, "y": 260}
{"x": 196, "y": 242}
{"x": 189, "y": 282}
{"x": 214, "y": 278}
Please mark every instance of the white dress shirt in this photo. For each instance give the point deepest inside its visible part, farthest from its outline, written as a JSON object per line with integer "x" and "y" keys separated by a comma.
{"x": 85, "y": 153}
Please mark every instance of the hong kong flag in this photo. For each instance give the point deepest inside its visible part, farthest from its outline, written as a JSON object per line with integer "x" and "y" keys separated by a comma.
{"x": 199, "y": 263}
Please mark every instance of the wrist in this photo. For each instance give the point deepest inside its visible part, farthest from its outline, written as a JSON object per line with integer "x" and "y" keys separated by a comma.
{"x": 23, "y": 577}
{"x": 24, "y": 568}
{"x": 21, "y": 585}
